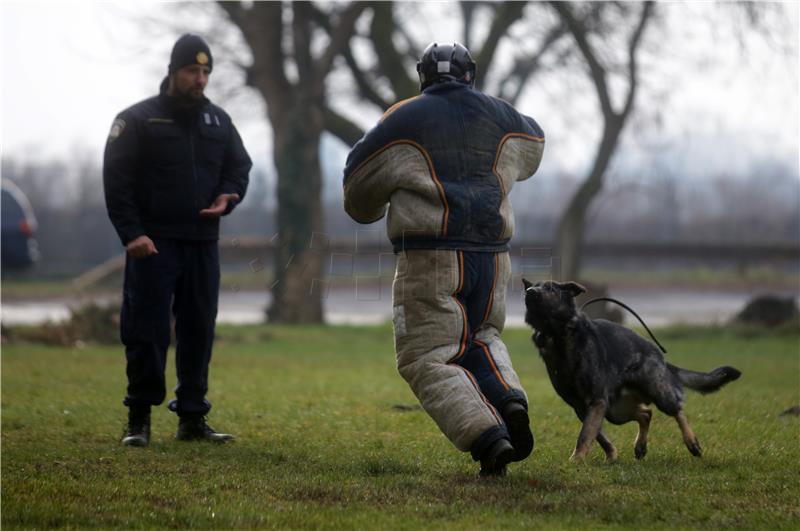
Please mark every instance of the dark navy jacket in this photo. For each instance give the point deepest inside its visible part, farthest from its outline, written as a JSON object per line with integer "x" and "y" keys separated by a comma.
{"x": 444, "y": 162}
{"x": 163, "y": 165}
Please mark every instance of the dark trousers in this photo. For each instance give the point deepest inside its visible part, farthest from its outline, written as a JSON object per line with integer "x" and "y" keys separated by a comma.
{"x": 184, "y": 275}
{"x": 478, "y": 281}
{"x": 479, "y": 276}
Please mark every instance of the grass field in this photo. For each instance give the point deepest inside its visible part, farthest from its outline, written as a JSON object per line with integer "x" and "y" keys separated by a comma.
{"x": 322, "y": 443}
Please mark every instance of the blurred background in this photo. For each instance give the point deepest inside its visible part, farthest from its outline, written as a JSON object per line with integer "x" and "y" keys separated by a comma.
{"x": 670, "y": 178}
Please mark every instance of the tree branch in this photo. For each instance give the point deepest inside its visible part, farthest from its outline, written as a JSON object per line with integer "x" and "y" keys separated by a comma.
{"x": 390, "y": 62}
{"x": 632, "y": 64}
{"x": 339, "y": 126}
{"x": 364, "y": 86}
{"x": 524, "y": 68}
{"x": 301, "y": 38}
{"x": 340, "y": 37}
{"x": 467, "y": 15}
{"x": 414, "y": 51}
{"x": 235, "y": 12}
{"x": 262, "y": 28}
{"x": 598, "y": 72}
{"x": 505, "y": 15}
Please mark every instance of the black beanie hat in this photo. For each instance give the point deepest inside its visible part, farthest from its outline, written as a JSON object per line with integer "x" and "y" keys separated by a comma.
{"x": 190, "y": 49}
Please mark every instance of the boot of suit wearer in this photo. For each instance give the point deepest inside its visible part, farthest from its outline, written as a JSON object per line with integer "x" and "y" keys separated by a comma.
{"x": 137, "y": 431}
{"x": 495, "y": 459}
{"x": 195, "y": 428}
{"x": 516, "y": 418}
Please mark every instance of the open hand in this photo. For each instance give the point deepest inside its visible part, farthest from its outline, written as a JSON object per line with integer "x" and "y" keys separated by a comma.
{"x": 219, "y": 205}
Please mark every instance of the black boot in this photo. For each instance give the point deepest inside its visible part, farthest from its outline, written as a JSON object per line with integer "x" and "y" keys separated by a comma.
{"x": 496, "y": 457}
{"x": 516, "y": 418}
{"x": 137, "y": 432}
{"x": 194, "y": 428}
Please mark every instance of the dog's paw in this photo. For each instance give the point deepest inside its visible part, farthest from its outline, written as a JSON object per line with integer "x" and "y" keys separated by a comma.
{"x": 639, "y": 451}
{"x": 576, "y": 458}
{"x": 694, "y": 448}
{"x": 612, "y": 456}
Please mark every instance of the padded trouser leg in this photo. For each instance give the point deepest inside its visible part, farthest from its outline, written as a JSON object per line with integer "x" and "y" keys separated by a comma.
{"x": 446, "y": 349}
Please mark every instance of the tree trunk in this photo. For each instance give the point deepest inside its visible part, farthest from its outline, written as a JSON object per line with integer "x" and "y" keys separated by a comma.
{"x": 297, "y": 112}
{"x": 571, "y": 227}
{"x": 569, "y": 239}
{"x": 297, "y": 288}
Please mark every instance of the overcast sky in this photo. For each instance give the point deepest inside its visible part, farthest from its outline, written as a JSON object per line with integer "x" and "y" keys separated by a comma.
{"x": 68, "y": 68}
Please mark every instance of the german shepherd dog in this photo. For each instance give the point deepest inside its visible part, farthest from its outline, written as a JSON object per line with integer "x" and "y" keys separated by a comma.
{"x": 604, "y": 370}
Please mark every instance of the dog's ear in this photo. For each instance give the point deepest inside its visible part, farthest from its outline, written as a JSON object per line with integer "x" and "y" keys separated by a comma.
{"x": 526, "y": 284}
{"x": 573, "y": 288}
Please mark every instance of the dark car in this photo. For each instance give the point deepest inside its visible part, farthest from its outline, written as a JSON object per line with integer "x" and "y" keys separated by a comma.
{"x": 19, "y": 249}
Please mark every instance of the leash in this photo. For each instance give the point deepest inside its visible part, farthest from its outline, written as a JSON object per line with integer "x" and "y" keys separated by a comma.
{"x": 615, "y": 301}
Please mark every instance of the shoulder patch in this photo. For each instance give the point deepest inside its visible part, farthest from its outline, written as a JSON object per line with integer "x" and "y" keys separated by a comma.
{"x": 116, "y": 129}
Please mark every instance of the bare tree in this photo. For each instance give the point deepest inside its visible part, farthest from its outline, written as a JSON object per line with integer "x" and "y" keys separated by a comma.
{"x": 290, "y": 76}
{"x": 294, "y": 47}
{"x": 544, "y": 47}
{"x": 580, "y": 20}
{"x": 283, "y": 37}
{"x": 392, "y": 63}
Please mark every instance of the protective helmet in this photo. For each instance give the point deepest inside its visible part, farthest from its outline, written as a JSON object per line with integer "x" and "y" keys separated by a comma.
{"x": 445, "y": 62}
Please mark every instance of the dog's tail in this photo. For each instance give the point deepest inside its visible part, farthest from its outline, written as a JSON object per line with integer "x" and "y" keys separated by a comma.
{"x": 705, "y": 382}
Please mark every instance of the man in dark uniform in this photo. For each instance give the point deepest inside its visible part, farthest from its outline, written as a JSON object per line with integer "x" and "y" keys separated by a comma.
{"x": 442, "y": 165}
{"x": 174, "y": 164}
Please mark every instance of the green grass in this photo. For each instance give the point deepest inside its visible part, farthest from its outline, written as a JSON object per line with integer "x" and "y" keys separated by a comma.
{"x": 320, "y": 444}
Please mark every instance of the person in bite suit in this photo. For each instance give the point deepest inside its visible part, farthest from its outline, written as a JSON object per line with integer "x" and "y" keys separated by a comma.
{"x": 441, "y": 165}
